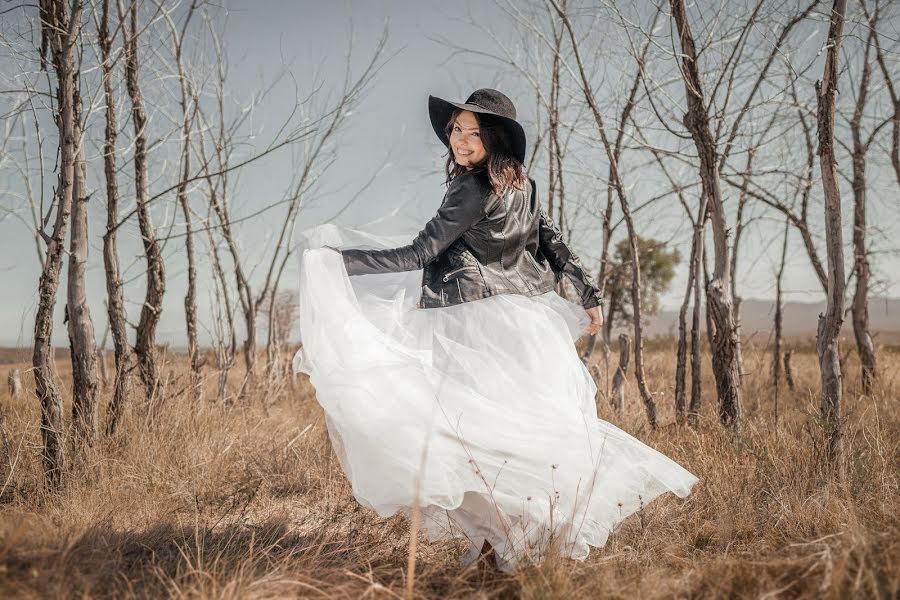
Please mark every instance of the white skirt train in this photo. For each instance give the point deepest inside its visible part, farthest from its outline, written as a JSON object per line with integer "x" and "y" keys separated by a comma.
{"x": 481, "y": 413}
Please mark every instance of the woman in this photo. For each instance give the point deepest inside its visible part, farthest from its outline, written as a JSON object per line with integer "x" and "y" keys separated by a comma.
{"x": 447, "y": 370}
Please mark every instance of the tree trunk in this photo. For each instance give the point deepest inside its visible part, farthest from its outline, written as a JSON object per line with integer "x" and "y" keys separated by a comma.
{"x": 245, "y": 294}
{"x": 59, "y": 31}
{"x": 860, "y": 306}
{"x": 707, "y": 316}
{"x": 602, "y": 280}
{"x": 788, "y": 373}
{"x": 649, "y": 404}
{"x": 776, "y": 353}
{"x": 190, "y": 296}
{"x": 895, "y": 141}
{"x": 738, "y": 230}
{"x": 249, "y": 382}
{"x": 115, "y": 302}
{"x": 83, "y": 345}
{"x": 226, "y": 341}
{"x": 681, "y": 351}
{"x": 6, "y": 468}
{"x": 553, "y": 127}
{"x": 693, "y": 277}
{"x": 224, "y": 327}
{"x": 696, "y": 364}
{"x": 281, "y": 321}
{"x": 145, "y": 343}
{"x": 556, "y": 189}
{"x": 830, "y": 323}
{"x": 273, "y": 339}
{"x": 725, "y": 358}
{"x": 617, "y": 399}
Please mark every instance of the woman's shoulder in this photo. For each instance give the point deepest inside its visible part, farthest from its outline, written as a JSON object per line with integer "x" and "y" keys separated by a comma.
{"x": 475, "y": 181}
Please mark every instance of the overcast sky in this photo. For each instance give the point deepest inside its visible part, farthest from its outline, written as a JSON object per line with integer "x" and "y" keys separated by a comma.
{"x": 389, "y": 132}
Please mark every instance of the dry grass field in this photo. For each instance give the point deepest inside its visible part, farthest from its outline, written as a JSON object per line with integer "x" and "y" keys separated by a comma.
{"x": 249, "y": 502}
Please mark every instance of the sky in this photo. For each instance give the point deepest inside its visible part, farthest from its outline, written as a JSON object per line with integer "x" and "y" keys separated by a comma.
{"x": 388, "y": 136}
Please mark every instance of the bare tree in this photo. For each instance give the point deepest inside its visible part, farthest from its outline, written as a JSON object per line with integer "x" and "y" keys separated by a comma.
{"x": 698, "y": 227}
{"x": 7, "y": 462}
{"x": 741, "y": 224}
{"x": 715, "y": 142}
{"x": 646, "y": 397}
{"x": 60, "y": 30}
{"x": 718, "y": 293}
{"x": 777, "y": 349}
{"x": 83, "y": 345}
{"x": 225, "y": 337}
{"x": 223, "y": 328}
{"x": 737, "y": 53}
{"x": 788, "y": 373}
{"x": 830, "y": 323}
{"x": 181, "y": 196}
{"x": 860, "y": 306}
{"x": 625, "y": 116}
{"x": 555, "y": 176}
{"x": 318, "y": 134}
{"x": 145, "y": 341}
{"x": 554, "y": 155}
{"x": 735, "y": 246}
{"x": 693, "y": 278}
{"x": 696, "y": 365}
{"x": 115, "y": 301}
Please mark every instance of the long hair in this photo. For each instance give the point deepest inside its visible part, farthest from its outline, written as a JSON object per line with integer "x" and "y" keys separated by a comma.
{"x": 504, "y": 170}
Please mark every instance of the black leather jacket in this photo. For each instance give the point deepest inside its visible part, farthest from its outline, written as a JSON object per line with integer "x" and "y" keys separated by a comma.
{"x": 479, "y": 245}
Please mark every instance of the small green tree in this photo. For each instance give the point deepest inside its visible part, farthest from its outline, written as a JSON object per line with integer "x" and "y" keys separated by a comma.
{"x": 657, "y": 270}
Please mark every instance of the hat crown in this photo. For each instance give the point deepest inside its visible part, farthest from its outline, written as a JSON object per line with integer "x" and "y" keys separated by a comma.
{"x": 494, "y": 101}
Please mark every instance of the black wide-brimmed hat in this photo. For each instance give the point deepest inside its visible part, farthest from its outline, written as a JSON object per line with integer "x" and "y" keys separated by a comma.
{"x": 485, "y": 102}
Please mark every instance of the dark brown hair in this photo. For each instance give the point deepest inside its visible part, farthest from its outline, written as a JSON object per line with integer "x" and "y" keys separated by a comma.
{"x": 504, "y": 170}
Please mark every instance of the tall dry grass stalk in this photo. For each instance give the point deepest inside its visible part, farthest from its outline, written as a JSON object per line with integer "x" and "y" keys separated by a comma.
{"x": 250, "y": 502}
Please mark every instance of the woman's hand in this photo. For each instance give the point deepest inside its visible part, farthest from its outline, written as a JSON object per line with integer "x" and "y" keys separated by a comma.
{"x": 596, "y": 323}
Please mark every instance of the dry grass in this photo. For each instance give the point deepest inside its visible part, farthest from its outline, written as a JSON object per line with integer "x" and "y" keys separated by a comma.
{"x": 250, "y": 502}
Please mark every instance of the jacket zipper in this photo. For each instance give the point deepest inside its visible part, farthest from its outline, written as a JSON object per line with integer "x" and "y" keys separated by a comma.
{"x": 455, "y": 271}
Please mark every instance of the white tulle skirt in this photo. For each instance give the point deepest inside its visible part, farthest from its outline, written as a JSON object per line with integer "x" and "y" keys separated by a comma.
{"x": 481, "y": 413}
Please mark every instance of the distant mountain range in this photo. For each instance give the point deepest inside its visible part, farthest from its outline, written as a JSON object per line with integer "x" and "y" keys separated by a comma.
{"x": 800, "y": 319}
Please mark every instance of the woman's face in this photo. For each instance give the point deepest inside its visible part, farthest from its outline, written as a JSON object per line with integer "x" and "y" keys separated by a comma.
{"x": 465, "y": 141}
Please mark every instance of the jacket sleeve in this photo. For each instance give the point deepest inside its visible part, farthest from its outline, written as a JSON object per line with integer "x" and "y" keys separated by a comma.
{"x": 463, "y": 206}
{"x": 564, "y": 262}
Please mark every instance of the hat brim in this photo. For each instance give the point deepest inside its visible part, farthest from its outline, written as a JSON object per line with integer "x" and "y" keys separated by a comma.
{"x": 440, "y": 111}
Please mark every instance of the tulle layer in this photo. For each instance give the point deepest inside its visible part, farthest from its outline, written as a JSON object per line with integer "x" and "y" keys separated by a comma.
{"x": 480, "y": 413}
